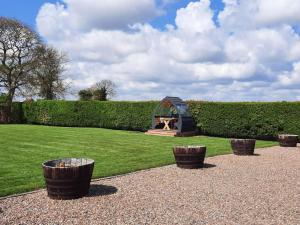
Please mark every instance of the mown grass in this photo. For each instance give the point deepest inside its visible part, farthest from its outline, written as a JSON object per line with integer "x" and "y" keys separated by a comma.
{"x": 23, "y": 148}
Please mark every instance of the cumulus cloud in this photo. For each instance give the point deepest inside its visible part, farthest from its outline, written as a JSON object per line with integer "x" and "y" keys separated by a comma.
{"x": 278, "y": 11}
{"x": 86, "y": 15}
{"x": 195, "y": 18}
{"x": 292, "y": 77}
{"x": 253, "y": 54}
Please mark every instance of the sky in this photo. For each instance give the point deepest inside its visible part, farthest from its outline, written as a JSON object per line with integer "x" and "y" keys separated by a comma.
{"x": 216, "y": 50}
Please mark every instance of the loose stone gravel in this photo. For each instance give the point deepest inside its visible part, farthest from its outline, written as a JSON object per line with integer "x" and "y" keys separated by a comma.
{"x": 241, "y": 190}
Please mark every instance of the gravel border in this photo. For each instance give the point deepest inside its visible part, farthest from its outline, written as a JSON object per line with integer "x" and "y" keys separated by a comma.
{"x": 260, "y": 189}
{"x": 93, "y": 180}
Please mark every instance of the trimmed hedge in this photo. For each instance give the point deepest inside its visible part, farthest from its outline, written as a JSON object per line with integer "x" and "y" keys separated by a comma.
{"x": 259, "y": 120}
{"x": 17, "y": 113}
{"x": 114, "y": 115}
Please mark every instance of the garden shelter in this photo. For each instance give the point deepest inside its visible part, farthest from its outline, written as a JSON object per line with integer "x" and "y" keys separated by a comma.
{"x": 172, "y": 117}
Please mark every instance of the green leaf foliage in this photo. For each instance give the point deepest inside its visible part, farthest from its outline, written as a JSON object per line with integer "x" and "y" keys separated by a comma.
{"x": 17, "y": 113}
{"x": 111, "y": 114}
{"x": 260, "y": 120}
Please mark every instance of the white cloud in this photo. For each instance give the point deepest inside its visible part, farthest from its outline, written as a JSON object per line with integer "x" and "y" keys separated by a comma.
{"x": 252, "y": 55}
{"x": 245, "y": 15}
{"x": 278, "y": 11}
{"x": 111, "y": 14}
{"x": 291, "y": 78}
{"x": 195, "y": 18}
{"x": 52, "y": 21}
{"x": 85, "y": 15}
{"x": 212, "y": 71}
{"x": 104, "y": 46}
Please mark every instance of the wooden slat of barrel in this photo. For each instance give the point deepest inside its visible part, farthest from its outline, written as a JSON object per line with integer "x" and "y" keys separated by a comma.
{"x": 189, "y": 157}
{"x": 243, "y": 146}
{"x": 288, "y": 140}
{"x": 69, "y": 182}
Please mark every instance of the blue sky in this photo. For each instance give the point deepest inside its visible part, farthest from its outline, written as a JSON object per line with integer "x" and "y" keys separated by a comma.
{"x": 27, "y": 10}
{"x": 220, "y": 50}
{"x": 24, "y": 10}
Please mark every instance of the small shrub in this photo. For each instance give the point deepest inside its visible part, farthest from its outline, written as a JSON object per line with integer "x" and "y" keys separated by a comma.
{"x": 85, "y": 95}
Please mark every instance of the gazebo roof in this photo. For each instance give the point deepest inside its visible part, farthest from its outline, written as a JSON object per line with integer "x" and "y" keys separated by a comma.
{"x": 172, "y": 106}
{"x": 172, "y": 115}
{"x": 175, "y": 100}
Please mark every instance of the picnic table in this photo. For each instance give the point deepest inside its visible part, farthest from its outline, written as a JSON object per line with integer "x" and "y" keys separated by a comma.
{"x": 166, "y": 121}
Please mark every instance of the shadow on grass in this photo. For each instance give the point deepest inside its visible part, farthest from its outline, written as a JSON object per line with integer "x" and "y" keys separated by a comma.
{"x": 100, "y": 190}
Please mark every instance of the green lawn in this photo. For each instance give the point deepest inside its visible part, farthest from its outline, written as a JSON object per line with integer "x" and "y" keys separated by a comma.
{"x": 23, "y": 148}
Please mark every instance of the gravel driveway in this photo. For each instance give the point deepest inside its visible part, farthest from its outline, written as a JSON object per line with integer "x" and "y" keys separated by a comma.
{"x": 241, "y": 190}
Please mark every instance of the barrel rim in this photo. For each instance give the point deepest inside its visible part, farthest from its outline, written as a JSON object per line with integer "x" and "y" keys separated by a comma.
{"x": 242, "y": 139}
{"x": 288, "y": 135}
{"x": 90, "y": 162}
{"x": 189, "y": 146}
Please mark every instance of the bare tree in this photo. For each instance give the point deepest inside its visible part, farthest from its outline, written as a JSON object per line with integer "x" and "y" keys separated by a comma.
{"x": 103, "y": 90}
{"x": 48, "y": 72}
{"x": 17, "y": 47}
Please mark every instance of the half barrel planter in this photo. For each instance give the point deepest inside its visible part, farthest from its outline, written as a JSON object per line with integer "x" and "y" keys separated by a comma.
{"x": 68, "y": 178}
{"x": 189, "y": 157}
{"x": 288, "y": 140}
{"x": 243, "y": 146}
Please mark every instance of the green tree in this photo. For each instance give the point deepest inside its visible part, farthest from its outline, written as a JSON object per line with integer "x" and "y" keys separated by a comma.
{"x": 85, "y": 95}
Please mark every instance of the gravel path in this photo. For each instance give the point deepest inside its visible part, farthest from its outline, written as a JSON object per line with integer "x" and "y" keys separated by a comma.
{"x": 241, "y": 190}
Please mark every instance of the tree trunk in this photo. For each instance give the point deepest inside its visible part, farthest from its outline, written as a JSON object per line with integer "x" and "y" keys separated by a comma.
{"x": 8, "y": 107}
{"x": 49, "y": 94}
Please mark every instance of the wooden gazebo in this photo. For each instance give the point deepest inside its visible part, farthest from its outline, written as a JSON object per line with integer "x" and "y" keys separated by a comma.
{"x": 172, "y": 118}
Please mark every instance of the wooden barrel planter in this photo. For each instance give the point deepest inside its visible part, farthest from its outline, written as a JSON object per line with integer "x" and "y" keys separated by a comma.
{"x": 243, "y": 146}
{"x": 189, "y": 157}
{"x": 68, "y": 178}
{"x": 288, "y": 140}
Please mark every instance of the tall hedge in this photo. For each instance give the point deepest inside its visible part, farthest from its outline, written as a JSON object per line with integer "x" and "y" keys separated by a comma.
{"x": 115, "y": 115}
{"x": 259, "y": 120}
{"x": 17, "y": 113}
{"x": 247, "y": 120}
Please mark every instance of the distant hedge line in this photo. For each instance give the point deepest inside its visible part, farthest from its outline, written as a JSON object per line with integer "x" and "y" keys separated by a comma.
{"x": 239, "y": 119}
{"x": 259, "y": 120}
{"x": 115, "y": 115}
